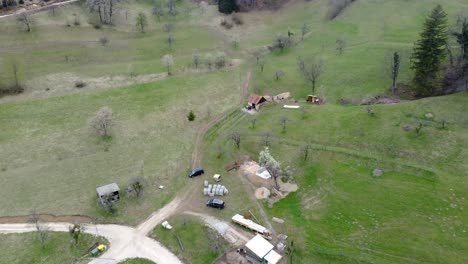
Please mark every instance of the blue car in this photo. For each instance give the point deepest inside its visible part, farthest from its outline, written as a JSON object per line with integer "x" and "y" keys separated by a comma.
{"x": 196, "y": 172}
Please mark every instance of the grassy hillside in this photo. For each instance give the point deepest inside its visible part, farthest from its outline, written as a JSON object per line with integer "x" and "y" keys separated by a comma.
{"x": 55, "y": 161}
{"x": 341, "y": 213}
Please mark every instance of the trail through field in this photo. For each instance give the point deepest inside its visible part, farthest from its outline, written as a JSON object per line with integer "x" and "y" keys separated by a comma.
{"x": 128, "y": 242}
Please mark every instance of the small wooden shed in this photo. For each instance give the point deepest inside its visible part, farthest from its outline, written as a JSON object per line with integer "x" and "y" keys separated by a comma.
{"x": 109, "y": 189}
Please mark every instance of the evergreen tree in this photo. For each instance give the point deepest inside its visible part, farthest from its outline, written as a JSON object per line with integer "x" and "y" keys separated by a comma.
{"x": 462, "y": 40}
{"x": 227, "y": 6}
{"x": 429, "y": 53}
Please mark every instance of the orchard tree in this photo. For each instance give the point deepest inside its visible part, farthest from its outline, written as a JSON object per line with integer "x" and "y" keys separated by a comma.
{"x": 102, "y": 121}
{"x": 137, "y": 185}
{"x": 168, "y": 62}
{"x": 395, "y": 70}
{"x": 227, "y": 6}
{"x": 271, "y": 165}
{"x": 26, "y": 20}
{"x": 304, "y": 30}
{"x": 311, "y": 69}
{"x": 141, "y": 22}
{"x": 429, "y": 53}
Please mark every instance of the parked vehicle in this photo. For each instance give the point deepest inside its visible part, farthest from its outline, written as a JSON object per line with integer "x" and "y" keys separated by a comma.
{"x": 216, "y": 203}
{"x": 196, "y": 172}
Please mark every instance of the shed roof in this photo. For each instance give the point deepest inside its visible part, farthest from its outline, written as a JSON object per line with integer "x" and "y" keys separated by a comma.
{"x": 259, "y": 246}
{"x": 106, "y": 189}
{"x": 272, "y": 257}
{"x": 255, "y": 99}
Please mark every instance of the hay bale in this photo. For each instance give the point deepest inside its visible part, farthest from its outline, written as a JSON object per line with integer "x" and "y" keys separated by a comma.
{"x": 205, "y": 184}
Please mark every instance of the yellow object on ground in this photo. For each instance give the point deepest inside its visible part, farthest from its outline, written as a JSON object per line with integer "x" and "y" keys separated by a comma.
{"x": 101, "y": 247}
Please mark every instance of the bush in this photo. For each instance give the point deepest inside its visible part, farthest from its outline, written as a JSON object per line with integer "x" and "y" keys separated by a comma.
{"x": 220, "y": 60}
{"x": 226, "y": 24}
{"x": 80, "y": 84}
{"x": 191, "y": 116}
{"x": 237, "y": 19}
{"x": 97, "y": 26}
{"x": 104, "y": 41}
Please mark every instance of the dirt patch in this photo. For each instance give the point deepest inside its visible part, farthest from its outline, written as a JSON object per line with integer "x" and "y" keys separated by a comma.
{"x": 262, "y": 193}
{"x": 47, "y": 218}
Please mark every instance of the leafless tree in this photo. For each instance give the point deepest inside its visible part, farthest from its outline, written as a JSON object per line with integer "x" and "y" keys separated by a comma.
{"x": 282, "y": 42}
{"x": 104, "y": 8}
{"x": 26, "y": 20}
{"x": 158, "y": 11}
{"x": 220, "y": 60}
{"x": 141, "y": 22}
{"x": 257, "y": 54}
{"x": 279, "y": 74}
{"x": 168, "y": 62}
{"x": 283, "y": 120}
{"x": 196, "y": 58}
{"x": 340, "y": 45}
{"x": 171, "y": 7}
{"x": 41, "y": 228}
{"x": 304, "y": 30}
{"x": 104, "y": 40}
{"x": 305, "y": 150}
{"x": 236, "y": 137}
{"x": 14, "y": 68}
{"x": 311, "y": 69}
{"x": 208, "y": 60}
{"x": 253, "y": 121}
{"x": 261, "y": 64}
{"x": 137, "y": 185}
{"x": 169, "y": 27}
{"x": 170, "y": 40}
{"x": 102, "y": 121}
{"x": 266, "y": 138}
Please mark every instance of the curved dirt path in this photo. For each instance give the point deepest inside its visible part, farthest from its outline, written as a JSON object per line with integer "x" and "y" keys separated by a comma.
{"x": 128, "y": 242}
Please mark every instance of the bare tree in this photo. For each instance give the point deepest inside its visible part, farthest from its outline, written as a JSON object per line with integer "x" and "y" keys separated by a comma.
{"x": 41, "y": 228}
{"x": 266, "y": 138}
{"x": 253, "y": 121}
{"x": 196, "y": 58}
{"x": 169, "y": 27}
{"x": 208, "y": 60}
{"x": 279, "y": 74}
{"x": 261, "y": 64}
{"x": 102, "y": 121}
{"x": 257, "y": 54}
{"x": 170, "y": 40}
{"x": 171, "y": 7}
{"x": 104, "y": 40}
{"x": 281, "y": 42}
{"x": 26, "y": 20}
{"x": 104, "y": 8}
{"x": 168, "y": 62}
{"x": 304, "y": 30}
{"x": 283, "y": 120}
{"x": 395, "y": 67}
{"x": 305, "y": 150}
{"x": 141, "y": 22}
{"x": 311, "y": 69}
{"x": 236, "y": 137}
{"x": 158, "y": 11}
{"x": 137, "y": 185}
{"x": 14, "y": 68}
{"x": 340, "y": 45}
{"x": 220, "y": 60}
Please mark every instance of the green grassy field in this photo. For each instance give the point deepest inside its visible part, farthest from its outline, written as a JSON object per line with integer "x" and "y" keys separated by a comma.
{"x": 51, "y": 162}
{"x": 26, "y": 248}
{"x": 77, "y": 49}
{"x": 207, "y": 246}
{"x": 45, "y": 149}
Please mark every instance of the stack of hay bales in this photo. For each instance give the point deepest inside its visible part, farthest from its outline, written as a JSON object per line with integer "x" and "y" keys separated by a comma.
{"x": 215, "y": 189}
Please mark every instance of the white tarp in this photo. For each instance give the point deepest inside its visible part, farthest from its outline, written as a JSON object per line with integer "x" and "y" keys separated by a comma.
{"x": 249, "y": 224}
{"x": 263, "y": 173}
{"x": 272, "y": 257}
{"x": 291, "y": 106}
{"x": 259, "y": 246}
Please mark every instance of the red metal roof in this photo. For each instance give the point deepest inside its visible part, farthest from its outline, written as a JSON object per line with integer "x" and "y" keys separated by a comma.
{"x": 255, "y": 99}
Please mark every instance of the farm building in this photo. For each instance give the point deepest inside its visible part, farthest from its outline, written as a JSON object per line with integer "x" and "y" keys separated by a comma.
{"x": 260, "y": 251}
{"x": 109, "y": 189}
{"x": 254, "y": 101}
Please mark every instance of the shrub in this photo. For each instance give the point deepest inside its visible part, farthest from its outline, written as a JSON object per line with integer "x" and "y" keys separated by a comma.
{"x": 220, "y": 60}
{"x": 80, "y": 84}
{"x": 237, "y": 19}
{"x": 226, "y": 24}
{"x": 104, "y": 41}
{"x": 97, "y": 26}
{"x": 191, "y": 116}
